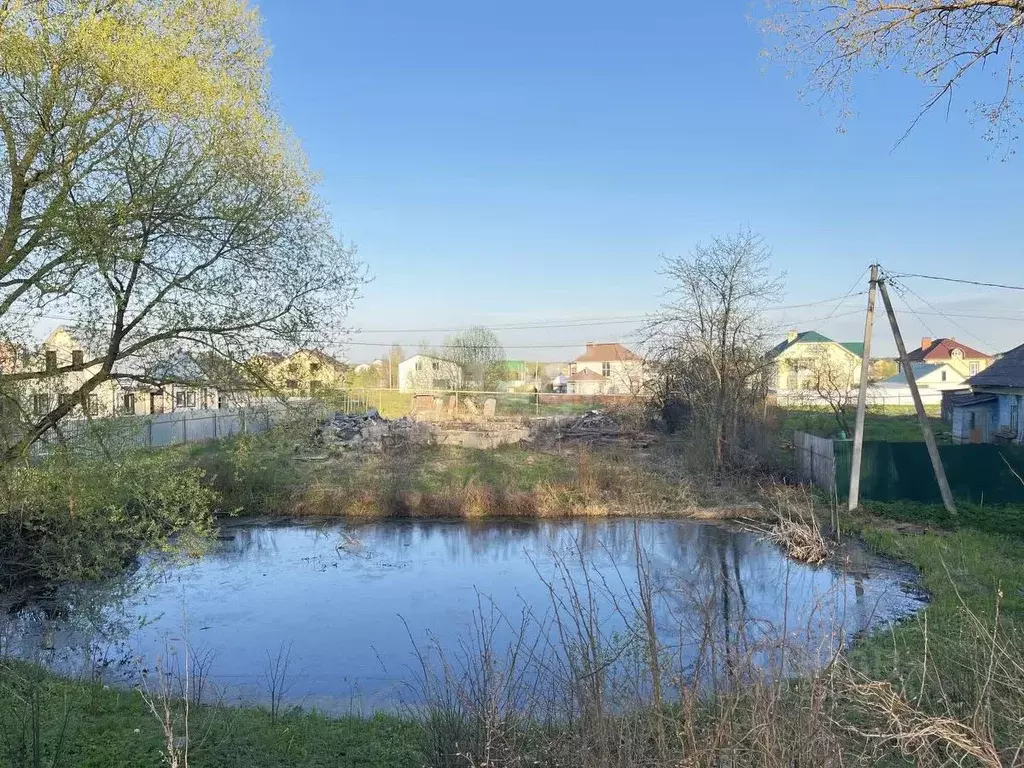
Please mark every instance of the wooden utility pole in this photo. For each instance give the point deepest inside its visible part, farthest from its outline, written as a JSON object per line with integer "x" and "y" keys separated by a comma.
{"x": 862, "y": 395}
{"x": 926, "y": 429}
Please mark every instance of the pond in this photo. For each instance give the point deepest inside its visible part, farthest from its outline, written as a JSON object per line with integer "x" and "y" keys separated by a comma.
{"x": 346, "y": 606}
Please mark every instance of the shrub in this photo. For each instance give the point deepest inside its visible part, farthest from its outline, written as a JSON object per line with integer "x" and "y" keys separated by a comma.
{"x": 81, "y": 516}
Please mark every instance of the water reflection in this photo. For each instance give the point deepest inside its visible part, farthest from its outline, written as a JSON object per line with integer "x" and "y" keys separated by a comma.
{"x": 351, "y": 600}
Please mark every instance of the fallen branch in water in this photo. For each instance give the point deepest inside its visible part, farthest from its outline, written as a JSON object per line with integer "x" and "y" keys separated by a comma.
{"x": 801, "y": 538}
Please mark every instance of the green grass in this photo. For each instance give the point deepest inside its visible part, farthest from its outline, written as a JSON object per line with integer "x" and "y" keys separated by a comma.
{"x": 962, "y": 571}
{"x": 108, "y": 728}
{"x": 510, "y": 466}
{"x": 1001, "y": 520}
{"x": 393, "y": 404}
{"x": 887, "y": 425}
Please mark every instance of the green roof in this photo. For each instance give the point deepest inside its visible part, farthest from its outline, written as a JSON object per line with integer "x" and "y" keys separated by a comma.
{"x": 857, "y": 347}
{"x": 813, "y": 337}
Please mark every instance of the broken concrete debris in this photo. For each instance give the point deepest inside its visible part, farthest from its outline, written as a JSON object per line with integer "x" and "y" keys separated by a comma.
{"x": 371, "y": 432}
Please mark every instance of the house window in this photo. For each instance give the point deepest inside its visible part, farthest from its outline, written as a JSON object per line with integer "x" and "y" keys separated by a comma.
{"x": 63, "y": 398}
{"x": 972, "y": 420}
{"x": 419, "y": 365}
{"x": 1014, "y": 414}
{"x": 185, "y": 398}
{"x": 435, "y": 365}
{"x": 943, "y": 375}
{"x": 606, "y": 369}
{"x": 957, "y": 354}
{"x": 572, "y": 369}
{"x": 40, "y": 404}
{"x": 77, "y": 359}
{"x": 291, "y": 384}
{"x": 51, "y": 361}
{"x": 92, "y": 405}
{"x": 314, "y": 367}
{"x": 975, "y": 367}
{"x": 128, "y": 404}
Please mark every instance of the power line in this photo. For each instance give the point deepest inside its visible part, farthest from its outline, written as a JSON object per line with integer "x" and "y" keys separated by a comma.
{"x": 524, "y": 325}
{"x": 831, "y": 316}
{"x": 849, "y": 293}
{"x": 947, "y": 317}
{"x": 899, "y": 292}
{"x": 473, "y": 346}
{"x": 960, "y": 280}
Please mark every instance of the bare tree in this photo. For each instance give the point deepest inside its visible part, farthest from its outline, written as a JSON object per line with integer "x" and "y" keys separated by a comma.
{"x": 710, "y": 338}
{"x": 832, "y": 379}
{"x": 940, "y": 41}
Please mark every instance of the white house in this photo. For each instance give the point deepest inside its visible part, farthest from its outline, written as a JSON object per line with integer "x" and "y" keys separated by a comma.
{"x": 61, "y": 351}
{"x": 364, "y": 367}
{"x": 606, "y": 369}
{"x": 426, "y": 372}
{"x": 928, "y": 376}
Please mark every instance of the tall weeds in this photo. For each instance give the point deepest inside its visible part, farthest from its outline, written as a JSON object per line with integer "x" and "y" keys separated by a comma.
{"x": 588, "y": 680}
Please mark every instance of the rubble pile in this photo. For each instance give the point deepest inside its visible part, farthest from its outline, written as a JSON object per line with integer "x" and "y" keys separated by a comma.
{"x": 371, "y": 432}
{"x": 592, "y": 424}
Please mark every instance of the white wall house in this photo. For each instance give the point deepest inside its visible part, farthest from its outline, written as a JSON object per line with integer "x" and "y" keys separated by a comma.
{"x": 606, "y": 369}
{"x": 928, "y": 376}
{"x": 62, "y": 350}
{"x": 426, "y": 372}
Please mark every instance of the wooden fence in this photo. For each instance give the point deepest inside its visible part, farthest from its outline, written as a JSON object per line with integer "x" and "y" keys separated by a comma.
{"x": 815, "y": 460}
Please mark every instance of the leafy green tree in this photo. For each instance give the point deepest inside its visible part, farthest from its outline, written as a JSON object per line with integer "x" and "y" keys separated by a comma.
{"x": 151, "y": 199}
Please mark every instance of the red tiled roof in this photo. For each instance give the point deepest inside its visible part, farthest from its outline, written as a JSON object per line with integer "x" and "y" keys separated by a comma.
{"x": 941, "y": 350}
{"x": 605, "y": 353}
{"x": 586, "y": 376}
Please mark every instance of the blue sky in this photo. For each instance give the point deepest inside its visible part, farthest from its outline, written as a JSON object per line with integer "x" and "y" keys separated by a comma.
{"x": 530, "y": 161}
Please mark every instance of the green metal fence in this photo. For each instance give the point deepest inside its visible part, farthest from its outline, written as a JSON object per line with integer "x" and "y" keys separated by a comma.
{"x": 982, "y": 474}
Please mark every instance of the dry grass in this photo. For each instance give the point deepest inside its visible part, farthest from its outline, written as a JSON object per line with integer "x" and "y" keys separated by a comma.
{"x": 802, "y": 540}
{"x": 794, "y": 527}
{"x": 588, "y": 695}
{"x": 577, "y": 481}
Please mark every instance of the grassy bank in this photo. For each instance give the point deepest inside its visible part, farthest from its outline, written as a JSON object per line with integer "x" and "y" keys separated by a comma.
{"x": 46, "y": 721}
{"x": 964, "y": 571}
{"x": 265, "y": 476}
{"x": 83, "y": 514}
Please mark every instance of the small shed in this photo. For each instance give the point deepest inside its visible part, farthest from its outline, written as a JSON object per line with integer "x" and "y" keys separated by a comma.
{"x": 975, "y": 418}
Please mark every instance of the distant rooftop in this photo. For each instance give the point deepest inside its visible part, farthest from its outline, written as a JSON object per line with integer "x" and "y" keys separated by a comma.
{"x": 813, "y": 337}
{"x": 1007, "y": 371}
{"x": 606, "y": 353}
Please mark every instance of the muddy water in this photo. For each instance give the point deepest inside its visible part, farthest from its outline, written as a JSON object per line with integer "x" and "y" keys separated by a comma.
{"x": 347, "y": 604}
